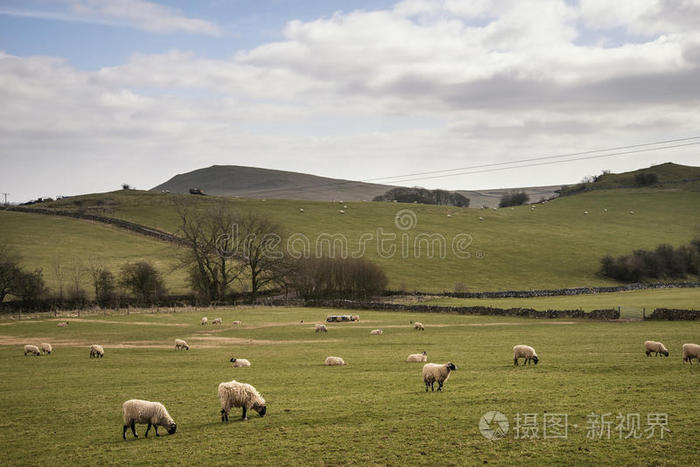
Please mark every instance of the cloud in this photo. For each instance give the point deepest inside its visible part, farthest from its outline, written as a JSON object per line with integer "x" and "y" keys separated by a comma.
{"x": 426, "y": 84}
{"x": 139, "y": 14}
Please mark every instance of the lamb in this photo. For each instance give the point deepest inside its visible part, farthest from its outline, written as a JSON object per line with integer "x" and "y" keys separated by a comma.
{"x": 653, "y": 346}
{"x": 31, "y": 349}
{"x": 376, "y": 332}
{"x": 96, "y": 351}
{"x": 239, "y": 362}
{"x": 526, "y": 352}
{"x": 334, "y": 361}
{"x": 204, "y": 321}
{"x": 691, "y": 351}
{"x": 435, "y": 372}
{"x": 418, "y": 326}
{"x": 236, "y": 323}
{"x": 418, "y": 357}
{"x": 62, "y": 324}
{"x": 235, "y": 394}
{"x": 146, "y": 412}
{"x": 181, "y": 344}
{"x": 217, "y": 321}
{"x": 321, "y": 328}
{"x": 45, "y": 347}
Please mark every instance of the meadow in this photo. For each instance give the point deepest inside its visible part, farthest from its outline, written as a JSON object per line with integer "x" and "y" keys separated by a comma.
{"x": 66, "y": 408}
{"x": 550, "y": 246}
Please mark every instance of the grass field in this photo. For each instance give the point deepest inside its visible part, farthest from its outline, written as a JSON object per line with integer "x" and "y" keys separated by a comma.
{"x": 554, "y": 245}
{"x": 631, "y": 303}
{"x": 66, "y": 408}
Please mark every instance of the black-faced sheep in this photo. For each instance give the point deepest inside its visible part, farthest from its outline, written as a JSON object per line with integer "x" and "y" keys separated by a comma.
{"x": 32, "y": 350}
{"x": 96, "y": 351}
{"x": 526, "y": 352}
{"x": 239, "y": 362}
{"x": 418, "y": 326}
{"x": 46, "y": 348}
{"x": 235, "y": 394}
{"x": 435, "y": 372}
{"x": 320, "y": 328}
{"x": 691, "y": 351}
{"x": 146, "y": 412}
{"x": 217, "y": 321}
{"x": 181, "y": 344}
{"x": 204, "y": 320}
{"x": 657, "y": 347}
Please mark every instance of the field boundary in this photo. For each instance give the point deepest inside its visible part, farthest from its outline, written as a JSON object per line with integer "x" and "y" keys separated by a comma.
{"x": 668, "y": 314}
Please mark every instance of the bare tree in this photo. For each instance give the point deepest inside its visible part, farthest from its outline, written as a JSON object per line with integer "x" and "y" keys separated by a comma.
{"x": 9, "y": 271}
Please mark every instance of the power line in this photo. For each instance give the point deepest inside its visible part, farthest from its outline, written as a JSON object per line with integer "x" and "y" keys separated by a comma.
{"x": 500, "y": 165}
{"x": 5, "y": 194}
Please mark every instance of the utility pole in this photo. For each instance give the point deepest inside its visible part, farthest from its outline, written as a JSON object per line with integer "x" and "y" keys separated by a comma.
{"x": 5, "y": 195}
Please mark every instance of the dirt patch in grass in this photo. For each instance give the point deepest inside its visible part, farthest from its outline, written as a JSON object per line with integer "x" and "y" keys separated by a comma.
{"x": 215, "y": 341}
{"x": 106, "y": 321}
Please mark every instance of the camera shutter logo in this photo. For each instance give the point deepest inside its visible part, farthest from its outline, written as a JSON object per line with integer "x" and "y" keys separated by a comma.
{"x": 493, "y": 425}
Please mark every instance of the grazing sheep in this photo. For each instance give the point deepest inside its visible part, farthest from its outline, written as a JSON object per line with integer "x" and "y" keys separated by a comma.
{"x": 691, "y": 351}
{"x": 146, "y": 412}
{"x": 631, "y": 212}
{"x": 181, "y": 344}
{"x": 418, "y": 357}
{"x": 605, "y": 210}
{"x": 653, "y": 346}
{"x": 481, "y": 218}
{"x": 217, "y": 321}
{"x": 96, "y": 351}
{"x": 204, "y": 321}
{"x": 45, "y": 347}
{"x": 526, "y": 352}
{"x": 341, "y": 211}
{"x": 585, "y": 213}
{"x": 435, "y": 372}
{"x": 235, "y": 394}
{"x": 449, "y": 215}
{"x": 418, "y": 326}
{"x": 239, "y": 362}
{"x": 334, "y": 361}
{"x": 320, "y": 328}
{"x": 356, "y": 318}
{"x": 301, "y": 209}
{"x": 376, "y": 332}
{"x": 62, "y": 324}
{"x": 236, "y": 323}
{"x": 31, "y": 349}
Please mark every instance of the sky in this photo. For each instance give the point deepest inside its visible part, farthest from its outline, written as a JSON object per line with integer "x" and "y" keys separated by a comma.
{"x": 96, "y": 93}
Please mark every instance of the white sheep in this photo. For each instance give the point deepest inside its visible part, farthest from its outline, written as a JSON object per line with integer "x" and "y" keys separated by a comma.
{"x": 236, "y": 323}
{"x": 526, "y": 352}
{"x": 204, "y": 321}
{"x": 62, "y": 324}
{"x": 341, "y": 211}
{"x": 301, "y": 209}
{"x": 320, "y": 328}
{"x": 235, "y": 394}
{"x": 653, "y": 346}
{"x": 691, "y": 351}
{"x": 217, "y": 321}
{"x": 356, "y": 318}
{"x": 31, "y": 349}
{"x": 632, "y": 212}
{"x": 239, "y": 362}
{"x": 146, "y": 412}
{"x": 334, "y": 361}
{"x": 418, "y": 357}
{"x": 435, "y": 372}
{"x": 181, "y": 344}
{"x": 46, "y": 347}
{"x": 418, "y": 326}
{"x": 585, "y": 213}
{"x": 96, "y": 351}
{"x": 449, "y": 215}
{"x": 376, "y": 332}
{"x": 481, "y": 218}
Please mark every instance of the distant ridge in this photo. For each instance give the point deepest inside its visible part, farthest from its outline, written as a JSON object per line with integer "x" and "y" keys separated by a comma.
{"x": 252, "y": 182}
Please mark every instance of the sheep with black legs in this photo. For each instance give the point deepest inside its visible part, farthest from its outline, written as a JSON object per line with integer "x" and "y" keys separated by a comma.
{"x": 526, "y": 352}
{"x": 32, "y": 350}
{"x": 235, "y": 394}
{"x": 204, "y": 320}
{"x": 217, "y": 321}
{"x": 655, "y": 347}
{"x": 97, "y": 351}
{"x": 433, "y": 372}
{"x": 146, "y": 412}
{"x": 418, "y": 326}
{"x": 46, "y": 348}
{"x": 320, "y": 328}
{"x": 181, "y": 344}
{"x": 691, "y": 351}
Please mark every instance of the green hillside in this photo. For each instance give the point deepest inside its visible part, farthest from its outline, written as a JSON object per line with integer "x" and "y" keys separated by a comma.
{"x": 552, "y": 245}
{"x": 669, "y": 175}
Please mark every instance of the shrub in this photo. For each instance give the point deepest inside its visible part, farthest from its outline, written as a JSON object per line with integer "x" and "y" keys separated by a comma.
{"x": 664, "y": 262}
{"x": 105, "y": 288}
{"x": 337, "y": 278}
{"x": 645, "y": 179}
{"x": 143, "y": 280}
{"x": 513, "y": 199}
{"x": 29, "y": 286}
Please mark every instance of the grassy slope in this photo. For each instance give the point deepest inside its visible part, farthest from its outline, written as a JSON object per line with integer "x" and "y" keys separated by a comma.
{"x": 43, "y": 241}
{"x": 631, "y": 303}
{"x": 372, "y": 411}
{"x": 555, "y": 245}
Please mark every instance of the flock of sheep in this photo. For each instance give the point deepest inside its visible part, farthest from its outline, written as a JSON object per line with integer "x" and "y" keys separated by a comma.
{"x": 241, "y": 395}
